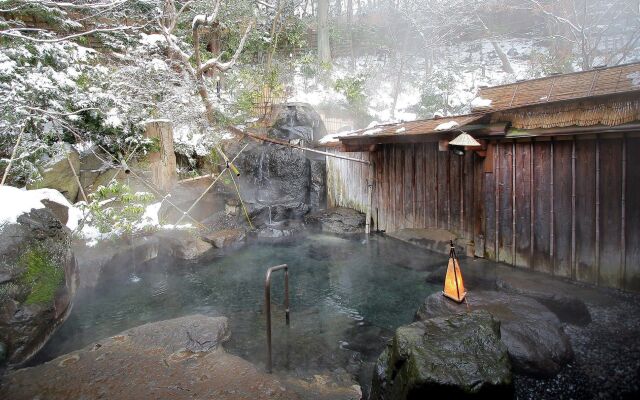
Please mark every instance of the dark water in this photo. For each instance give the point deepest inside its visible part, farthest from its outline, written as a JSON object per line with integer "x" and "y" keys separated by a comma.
{"x": 347, "y": 297}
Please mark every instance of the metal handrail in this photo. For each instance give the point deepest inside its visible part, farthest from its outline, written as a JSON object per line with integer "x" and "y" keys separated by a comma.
{"x": 267, "y": 304}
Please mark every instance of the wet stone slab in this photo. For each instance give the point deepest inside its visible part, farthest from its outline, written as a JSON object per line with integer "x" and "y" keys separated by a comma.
{"x": 178, "y": 359}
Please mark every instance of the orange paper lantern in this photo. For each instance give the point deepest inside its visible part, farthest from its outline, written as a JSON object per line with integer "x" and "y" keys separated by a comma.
{"x": 453, "y": 284}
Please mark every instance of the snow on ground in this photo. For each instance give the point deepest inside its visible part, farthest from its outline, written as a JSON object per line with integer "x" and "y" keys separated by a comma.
{"x": 15, "y": 202}
{"x": 455, "y": 74}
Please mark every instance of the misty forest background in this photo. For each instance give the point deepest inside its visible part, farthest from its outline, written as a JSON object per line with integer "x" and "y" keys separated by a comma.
{"x": 89, "y": 73}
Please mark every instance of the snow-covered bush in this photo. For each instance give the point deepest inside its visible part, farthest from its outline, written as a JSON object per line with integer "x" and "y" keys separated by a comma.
{"x": 115, "y": 210}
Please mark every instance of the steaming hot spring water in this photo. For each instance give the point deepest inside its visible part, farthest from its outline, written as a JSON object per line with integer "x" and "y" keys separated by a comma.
{"x": 347, "y": 296}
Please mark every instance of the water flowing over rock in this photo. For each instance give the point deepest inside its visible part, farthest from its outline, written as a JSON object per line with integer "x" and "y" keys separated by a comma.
{"x": 459, "y": 356}
{"x": 280, "y": 183}
{"x": 533, "y": 335}
{"x": 38, "y": 279}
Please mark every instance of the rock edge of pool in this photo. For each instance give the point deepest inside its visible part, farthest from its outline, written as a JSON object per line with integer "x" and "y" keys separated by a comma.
{"x": 519, "y": 335}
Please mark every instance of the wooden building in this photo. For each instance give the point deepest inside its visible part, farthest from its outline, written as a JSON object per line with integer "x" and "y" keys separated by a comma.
{"x": 554, "y": 188}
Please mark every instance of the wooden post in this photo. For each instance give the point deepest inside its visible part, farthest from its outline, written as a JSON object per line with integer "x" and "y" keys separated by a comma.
{"x": 367, "y": 228}
{"x": 162, "y": 163}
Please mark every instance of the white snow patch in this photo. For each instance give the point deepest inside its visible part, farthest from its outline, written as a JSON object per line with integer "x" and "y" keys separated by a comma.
{"x": 372, "y": 131}
{"x": 445, "y": 126}
{"x": 157, "y": 65}
{"x": 635, "y": 78}
{"x": 113, "y": 120}
{"x": 151, "y": 40}
{"x": 14, "y": 202}
{"x": 331, "y": 138}
{"x": 199, "y": 20}
{"x": 479, "y": 102}
{"x": 401, "y": 129}
{"x": 151, "y": 213}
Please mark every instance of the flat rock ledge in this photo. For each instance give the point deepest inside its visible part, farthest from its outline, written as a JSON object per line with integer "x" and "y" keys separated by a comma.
{"x": 534, "y": 336}
{"x": 339, "y": 220}
{"x": 457, "y": 356}
{"x": 177, "y": 359}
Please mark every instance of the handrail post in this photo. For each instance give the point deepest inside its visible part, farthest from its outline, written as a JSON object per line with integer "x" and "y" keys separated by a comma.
{"x": 267, "y": 304}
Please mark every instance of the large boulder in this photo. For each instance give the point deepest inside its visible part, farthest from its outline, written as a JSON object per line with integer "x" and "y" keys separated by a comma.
{"x": 38, "y": 278}
{"x": 179, "y": 358}
{"x": 459, "y": 356}
{"x": 533, "y": 335}
{"x": 297, "y": 121}
{"x": 277, "y": 182}
{"x": 57, "y": 173}
{"x": 337, "y": 220}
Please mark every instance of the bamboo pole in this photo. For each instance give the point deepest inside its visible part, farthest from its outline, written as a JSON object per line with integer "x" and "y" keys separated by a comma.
{"x": 202, "y": 195}
{"x": 295, "y": 146}
{"x": 164, "y": 198}
{"x": 13, "y": 156}
{"x": 246, "y": 214}
{"x": 367, "y": 228}
{"x": 228, "y": 166}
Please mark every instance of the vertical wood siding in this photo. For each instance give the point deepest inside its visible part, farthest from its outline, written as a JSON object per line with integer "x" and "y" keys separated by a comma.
{"x": 564, "y": 206}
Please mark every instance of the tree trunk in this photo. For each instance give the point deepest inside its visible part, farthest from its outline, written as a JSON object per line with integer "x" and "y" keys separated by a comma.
{"x": 349, "y": 25}
{"x": 506, "y": 65}
{"x": 324, "y": 49}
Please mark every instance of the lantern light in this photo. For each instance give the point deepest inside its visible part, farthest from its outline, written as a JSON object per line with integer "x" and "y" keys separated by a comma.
{"x": 453, "y": 284}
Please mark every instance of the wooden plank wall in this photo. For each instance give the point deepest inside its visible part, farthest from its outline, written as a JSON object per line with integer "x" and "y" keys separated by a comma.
{"x": 575, "y": 209}
{"x": 565, "y": 206}
{"x": 415, "y": 186}
{"x": 346, "y": 181}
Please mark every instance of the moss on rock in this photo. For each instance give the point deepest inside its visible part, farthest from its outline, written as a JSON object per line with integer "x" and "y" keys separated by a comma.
{"x": 41, "y": 275}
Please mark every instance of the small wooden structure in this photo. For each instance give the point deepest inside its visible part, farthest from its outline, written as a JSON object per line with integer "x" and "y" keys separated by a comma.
{"x": 555, "y": 187}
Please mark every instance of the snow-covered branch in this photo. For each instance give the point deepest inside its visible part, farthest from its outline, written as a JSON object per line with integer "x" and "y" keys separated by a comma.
{"x": 225, "y": 66}
{"x": 16, "y": 33}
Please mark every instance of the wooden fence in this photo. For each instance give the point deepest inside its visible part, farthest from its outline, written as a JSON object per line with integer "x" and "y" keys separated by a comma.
{"x": 567, "y": 206}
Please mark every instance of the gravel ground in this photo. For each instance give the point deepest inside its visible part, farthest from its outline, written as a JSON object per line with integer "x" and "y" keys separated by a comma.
{"x": 607, "y": 356}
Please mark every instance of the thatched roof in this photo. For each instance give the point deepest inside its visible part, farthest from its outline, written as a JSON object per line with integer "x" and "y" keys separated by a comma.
{"x": 589, "y": 112}
{"x": 573, "y": 86}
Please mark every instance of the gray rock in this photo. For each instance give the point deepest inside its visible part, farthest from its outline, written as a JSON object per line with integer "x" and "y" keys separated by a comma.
{"x": 459, "y": 356}
{"x": 297, "y": 121}
{"x": 194, "y": 333}
{"x": 117, "y": 257}
{"x": 533, "y": 335}
{"x": 60, "y": 211}
{"x": 225, "y": 238}
{"x": 567, "y": 308}
{"x": 178, "y": 359}
{"x": 318, "y": 195}
{"x": 40, "y": 280}
{"x": 337, "y": 220}
{"x": 57, "y": 174}
{"x": 184, "y": 244}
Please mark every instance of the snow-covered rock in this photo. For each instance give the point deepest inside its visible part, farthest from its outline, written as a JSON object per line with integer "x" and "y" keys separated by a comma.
{"x": 14, "y": 202}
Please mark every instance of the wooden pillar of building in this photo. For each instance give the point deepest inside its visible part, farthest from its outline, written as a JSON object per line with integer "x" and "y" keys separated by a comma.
{"x": 162, "y": 163}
